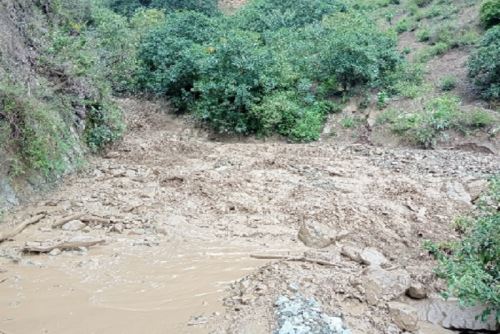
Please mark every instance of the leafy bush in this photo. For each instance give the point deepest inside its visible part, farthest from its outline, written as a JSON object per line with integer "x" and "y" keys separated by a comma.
{"x": 270, "y": 68}
{"x": 484, "y": 65}
{"x": 33, "y": 131}
{"x": 169, "y": 55}
{"x": 356, "y": 52}
{"x": 489, "y": 13}
{"x": 448, "y": 83}
{"x": 472, "y": 268}
{"x": 128, "y": 7}
{"x": 262, "y": 15}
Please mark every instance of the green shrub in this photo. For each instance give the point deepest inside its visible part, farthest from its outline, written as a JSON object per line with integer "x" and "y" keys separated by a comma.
{"x": 471, "y": 267}
{"x": 355, "y": 52}
{"x": 422, "y": 3}
{"x": 104, "y": 124}
{"x": 235, "y": 73}
{"x": 489, "y": 13}
{"x": 484, "y": 65}
{"x": 423, "y": 35}
{"x": 448, "y": 83}
{"x": 128, "y": 7}
{"x": 262, "y": 15}
{"x": 235, "y": 77}
{"x": 33, "y": 131}
{"x": 168, "y": 55}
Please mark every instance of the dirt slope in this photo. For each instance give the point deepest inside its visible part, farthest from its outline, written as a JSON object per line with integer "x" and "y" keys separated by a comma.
{"x": 183, "y": 213}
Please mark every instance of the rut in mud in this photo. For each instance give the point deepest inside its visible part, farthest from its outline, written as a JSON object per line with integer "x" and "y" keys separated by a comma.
{"x": 181, "y": 213}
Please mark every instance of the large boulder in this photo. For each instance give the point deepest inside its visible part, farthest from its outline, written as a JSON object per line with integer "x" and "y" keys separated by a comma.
{"x": 456, "y": 192}
{"x": 316, "y": 235}
{"x": 372, "y": 257}
{"x": 450, "y": 314}
{"x": 404, "y": 316}
{"x": 384, "y": 285}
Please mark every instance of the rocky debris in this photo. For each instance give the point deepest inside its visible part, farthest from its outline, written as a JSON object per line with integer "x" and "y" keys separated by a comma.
{"x": 118, "y": 228}
{"x": 417, "y": 291}
{"x": 55, "y": 252}
{"x": 450, "y": 314}
{"x": 384, "y": 285}
{"x": 404, "y": 316}
{"x": 476, "y": 188}
{"x": 372, "y": 257}
{"x": 456, "y": 191}
{"x": 316, "y": 235}
{"x": 299, "y": 315}
{"x": 74, "y": 225}
{"x": 351, "y": 252}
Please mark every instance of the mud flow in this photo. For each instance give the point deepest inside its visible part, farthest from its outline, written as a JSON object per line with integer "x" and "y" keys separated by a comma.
{"x": 156, "y": 236}
{"x": 172, "y": 290}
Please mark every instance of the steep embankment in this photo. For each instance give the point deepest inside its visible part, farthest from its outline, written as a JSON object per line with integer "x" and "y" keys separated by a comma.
{"x": 52, "y": 103}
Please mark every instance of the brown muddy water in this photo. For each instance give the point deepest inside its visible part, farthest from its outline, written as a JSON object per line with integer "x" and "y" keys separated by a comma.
{"x": 132, "y": 292}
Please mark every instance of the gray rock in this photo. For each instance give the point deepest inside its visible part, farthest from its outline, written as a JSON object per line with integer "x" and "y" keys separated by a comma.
{"x": 8, "y": 197}
{"x": 417, "y": 291}
{"x": 299, "y": 315}
{"x": 476, "y": 188}
{"x": 384, "y": 285}
{"x": 449, "y": 314}
{"x": 351, "y": 252}
{"x": 74, "y": 225}
{"x": 316, "y": 235}
{"x": 404, "y": 316}
{"x": 372, "y": 257}
{"x": 118, "y": 228}
{"x": 456, "y": 191}
{"x": 55, "y": 252}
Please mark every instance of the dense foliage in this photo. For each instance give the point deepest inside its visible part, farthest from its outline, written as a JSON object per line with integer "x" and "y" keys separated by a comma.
{"x": 128, "y": 7}
{"x": 490, "y": 13}
{"x": 484, "y": 65}
{"x": 472, "y": 265}
{"x": 269, "y": 68}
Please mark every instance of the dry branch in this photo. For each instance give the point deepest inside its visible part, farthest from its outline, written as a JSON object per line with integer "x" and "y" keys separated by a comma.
{"x": 68, "y": 245}
{"x": 67, "y": 219}
{"x": 19, "y": 228}
{"x": 293, "y": 259}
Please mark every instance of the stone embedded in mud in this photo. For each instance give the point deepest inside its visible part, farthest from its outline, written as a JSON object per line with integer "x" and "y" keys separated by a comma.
{"x": 404, "y": 316}
{"x": 417, "y": 291}
{"x": 351, "y": 253}
{"x": 74, "y": 225}
{"x": 384, "y": 285}
{"x": 118, "y": 228}
{"x": 372, "y": 257}
{"x": 316, "y": 235}
{"x": 456, "y": 191}
{"x": 299, "y": 315}
{"x": 55, "y": 252}
{"x": 450, "y": 314}
{"x": 476, "y": 188}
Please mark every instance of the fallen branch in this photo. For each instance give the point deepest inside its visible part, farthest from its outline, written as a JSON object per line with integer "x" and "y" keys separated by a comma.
{"x": 18, "y": 229}
{"x": 68, "y": 245}
{"x": 293, "y": 259}
{"x": 67, "y": 220}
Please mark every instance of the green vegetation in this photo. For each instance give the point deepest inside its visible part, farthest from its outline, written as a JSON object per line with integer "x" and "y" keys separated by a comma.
{"x": 490, "y": 13}
{"x": 260, "y": 72}
{"x": 425, "y": 126}
{"x": 448, "y": 83}
{"x": 471, "y": 266}
{"x": 33, "y": 130}
{"x": 484, "y": 65}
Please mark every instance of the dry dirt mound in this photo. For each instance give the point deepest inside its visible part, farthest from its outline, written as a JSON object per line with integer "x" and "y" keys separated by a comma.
{"x": 181, "y": 214}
